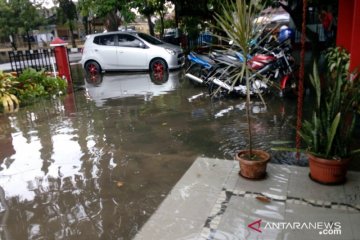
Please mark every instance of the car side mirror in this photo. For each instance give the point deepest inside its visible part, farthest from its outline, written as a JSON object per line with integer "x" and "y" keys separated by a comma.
{"x": 142, "y": 45}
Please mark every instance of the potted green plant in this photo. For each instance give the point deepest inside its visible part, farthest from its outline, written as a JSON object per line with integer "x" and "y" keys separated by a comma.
{"x": 328, "y": 134}
{"x": 237, "y": 20}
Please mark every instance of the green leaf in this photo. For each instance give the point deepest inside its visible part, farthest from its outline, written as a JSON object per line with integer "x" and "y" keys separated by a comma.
{"x": 279, "y": 142}
{"x": 332, "y": 131}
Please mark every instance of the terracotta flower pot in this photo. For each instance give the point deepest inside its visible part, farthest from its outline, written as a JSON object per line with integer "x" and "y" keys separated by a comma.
{"x": 327, "y": 171}
{"x": 253, "y": 169}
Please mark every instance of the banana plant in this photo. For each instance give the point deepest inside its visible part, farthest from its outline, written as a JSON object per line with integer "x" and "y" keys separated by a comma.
{"x": 9, "y": 101}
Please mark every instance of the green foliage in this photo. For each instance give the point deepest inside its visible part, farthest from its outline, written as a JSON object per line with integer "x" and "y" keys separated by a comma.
{"x": 150, "y": 8}
{"x": 168, "y": 23}
{"x": 337, "y": 60}
{"x": 32, "y": 85}
{"x": 18, "y": 16}
{"x": 329, "y": 132}
{"x": 190, "y": 26}
{"x": 66, "y": 11}
{"x": 115, "y": 12}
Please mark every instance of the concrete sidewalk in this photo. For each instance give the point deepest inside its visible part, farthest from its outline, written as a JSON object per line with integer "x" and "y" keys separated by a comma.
{"x": 211, "y": 201}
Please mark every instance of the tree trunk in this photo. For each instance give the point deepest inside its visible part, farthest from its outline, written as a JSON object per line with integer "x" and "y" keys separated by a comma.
{"x": 28, "y": 40}
{"x": 248, "y": 113}
{"x": 162, "y": 25}
{"x": 71, "y": 27}
{"x": 176, "y": 15}
{"x": 13, "y": 41}
{"x": 150, "y": 24}
{"x": 112, "y": 22}
{"x": 86, "y": 24}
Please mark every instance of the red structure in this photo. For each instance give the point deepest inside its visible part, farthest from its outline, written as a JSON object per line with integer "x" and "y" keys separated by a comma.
{"x": 63, "y": 67}
{"x": 348, "y": 31}
{"x": 62, "y": 59}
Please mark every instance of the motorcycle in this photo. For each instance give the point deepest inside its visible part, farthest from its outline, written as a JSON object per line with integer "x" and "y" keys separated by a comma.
{"x": 215, "y": 70}
{"x": 278, "y": 66}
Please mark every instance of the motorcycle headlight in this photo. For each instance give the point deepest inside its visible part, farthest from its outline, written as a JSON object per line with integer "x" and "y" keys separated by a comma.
{"x": 171, "y": 51}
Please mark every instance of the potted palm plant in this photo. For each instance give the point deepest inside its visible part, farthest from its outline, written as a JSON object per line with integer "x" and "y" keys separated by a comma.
{"x": 328, "y": 135}
{"x": 237, "y": 20}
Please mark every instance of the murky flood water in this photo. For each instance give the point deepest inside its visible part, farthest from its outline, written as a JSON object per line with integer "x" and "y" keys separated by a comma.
{"x": 97, "y": 163}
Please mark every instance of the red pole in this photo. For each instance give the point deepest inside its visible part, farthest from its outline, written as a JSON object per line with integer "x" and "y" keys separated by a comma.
{"x": 301, "y": 80}
{"x": 62, "y": 59}
{"x": 355, "y": 36}
{"x": 63, "y": 67}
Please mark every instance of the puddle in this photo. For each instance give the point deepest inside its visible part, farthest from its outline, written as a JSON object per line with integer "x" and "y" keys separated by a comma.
{"x": 97, "y": 163}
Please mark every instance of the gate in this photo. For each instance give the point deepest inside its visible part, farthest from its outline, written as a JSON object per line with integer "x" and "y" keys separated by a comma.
{"x": 37, "y": 59}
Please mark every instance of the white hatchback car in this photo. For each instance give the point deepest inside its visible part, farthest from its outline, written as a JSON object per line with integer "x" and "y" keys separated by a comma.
{"x": 114, "y": 51}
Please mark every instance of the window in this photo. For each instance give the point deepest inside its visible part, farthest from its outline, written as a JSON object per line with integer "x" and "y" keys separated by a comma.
{"x": 106, "y": 40}
{"x": 126, "y": 40}
{"x": 150, "y": 39}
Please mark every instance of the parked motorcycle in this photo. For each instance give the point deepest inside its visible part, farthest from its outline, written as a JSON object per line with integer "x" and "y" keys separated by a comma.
{"x": 216, "y": 70}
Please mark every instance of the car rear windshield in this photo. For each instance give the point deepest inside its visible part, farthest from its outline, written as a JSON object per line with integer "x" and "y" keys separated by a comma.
{"x": 150, "y": 39}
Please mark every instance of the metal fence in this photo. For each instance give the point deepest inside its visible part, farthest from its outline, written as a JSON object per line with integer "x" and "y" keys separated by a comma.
{"x": 203, "y": 39}
{"x": 37, "y": 59}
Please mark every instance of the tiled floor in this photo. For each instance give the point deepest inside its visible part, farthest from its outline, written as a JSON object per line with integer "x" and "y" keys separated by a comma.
{"x": 211, "y": 201}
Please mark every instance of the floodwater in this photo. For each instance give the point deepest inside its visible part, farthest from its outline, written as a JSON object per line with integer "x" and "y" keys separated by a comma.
{"x": 97, "y": 163}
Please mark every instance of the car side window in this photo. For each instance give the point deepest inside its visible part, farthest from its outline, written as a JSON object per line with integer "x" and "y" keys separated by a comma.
{"x": 105, "y": 40}
{"x": 125, "y": 40}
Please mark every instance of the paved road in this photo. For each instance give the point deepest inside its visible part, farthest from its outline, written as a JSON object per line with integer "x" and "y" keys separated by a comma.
{"x": 74, "y": 58}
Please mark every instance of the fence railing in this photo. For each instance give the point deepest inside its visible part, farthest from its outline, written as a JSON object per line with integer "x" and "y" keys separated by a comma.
{"x": 37, "y": 59}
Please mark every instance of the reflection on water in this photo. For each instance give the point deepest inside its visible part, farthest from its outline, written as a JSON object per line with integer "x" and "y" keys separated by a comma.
{"x": 105, "y": 87}
{"x": 97, "y": 163}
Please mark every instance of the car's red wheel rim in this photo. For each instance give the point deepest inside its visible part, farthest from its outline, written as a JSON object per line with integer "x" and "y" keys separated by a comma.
{"x": 158, "y": 67}
{"x": 158, "y": 76}
{"x": 92, "y": 69}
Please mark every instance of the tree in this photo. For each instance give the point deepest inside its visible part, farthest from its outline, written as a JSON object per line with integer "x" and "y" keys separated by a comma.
{"x": 115, "y": 12}
{"x": 146, "y": 8}
{"x": 168, "y": 23}
{"x": 161, "y": 9}
{"x": 67, "y": 14}
{"x": 30, "y": 18}
{"x": 84, "y": 10}
{"x": 189, "y": 14}
{"x": 27, "y": 18}
{"x": 7, "y": 23}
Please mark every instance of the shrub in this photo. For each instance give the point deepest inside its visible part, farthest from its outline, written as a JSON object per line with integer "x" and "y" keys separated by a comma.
{"x": 33, "y": 84}
{"x": 28, "y": 87}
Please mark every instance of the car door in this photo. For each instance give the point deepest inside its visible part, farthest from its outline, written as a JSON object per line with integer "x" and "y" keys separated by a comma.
{"x": 132, "y": 53}
{"x": 105, "y": 51}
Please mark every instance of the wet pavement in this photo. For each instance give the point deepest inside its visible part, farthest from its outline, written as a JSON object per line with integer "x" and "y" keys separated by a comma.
{"x": 211, "y": 202}
{"x": 97, "y": 163}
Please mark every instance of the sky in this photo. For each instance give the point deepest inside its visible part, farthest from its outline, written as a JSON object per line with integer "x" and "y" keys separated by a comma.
{"x": 47, "y": 3}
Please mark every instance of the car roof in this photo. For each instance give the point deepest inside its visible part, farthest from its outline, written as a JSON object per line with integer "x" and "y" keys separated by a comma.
{"x": 132, "y": 32}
